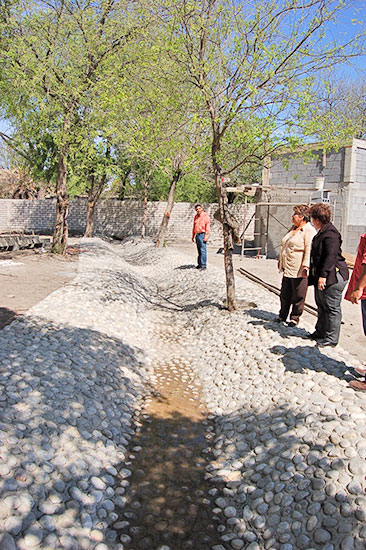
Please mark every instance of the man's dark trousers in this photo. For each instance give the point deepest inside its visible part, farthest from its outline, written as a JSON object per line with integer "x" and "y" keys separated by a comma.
{"x": 202, "y": 251}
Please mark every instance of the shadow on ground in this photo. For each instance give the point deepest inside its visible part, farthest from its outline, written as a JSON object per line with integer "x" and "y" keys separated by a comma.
{"x": 6, "y": 316}
{"x": 167, "y": 501}
{"x": 301, "y": 358}
{"x": 188, "y": 266}
{"x": 66, "y": 416}
{"x": 284, "y": 490}
{"x": 315, "y": 361}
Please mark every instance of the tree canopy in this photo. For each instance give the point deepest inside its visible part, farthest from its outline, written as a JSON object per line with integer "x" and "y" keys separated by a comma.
{"x": 57, "y": 56}
{"x": 254, "y": 68}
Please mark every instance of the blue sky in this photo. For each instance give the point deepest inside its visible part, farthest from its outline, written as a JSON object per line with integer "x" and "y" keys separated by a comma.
{"x": 346, "y": 28}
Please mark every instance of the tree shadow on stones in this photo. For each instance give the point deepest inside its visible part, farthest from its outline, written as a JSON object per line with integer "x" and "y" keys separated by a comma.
{"x": 295, "y": 487}
{"x": 298, "y": 359}
{"x": 125, "y": 287}
{"x": 166, "y": 296}
{"x": 167, "y": 502}
{"x": 203, "y": 304}
{"x": 175, "y": 295}
{"x": 66, "y": 416}
{"x": 268, "y": 321}
{"x": 301, "y": 358}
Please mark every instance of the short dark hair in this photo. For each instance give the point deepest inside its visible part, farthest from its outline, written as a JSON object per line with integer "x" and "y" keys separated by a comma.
{"x": 302, "y": 210}
{"x": 195, "y": 206}
{"x": 321, "y": 212}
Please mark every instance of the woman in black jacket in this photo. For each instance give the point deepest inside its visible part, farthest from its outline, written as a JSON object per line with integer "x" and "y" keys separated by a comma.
{"x": 328, "y": 274}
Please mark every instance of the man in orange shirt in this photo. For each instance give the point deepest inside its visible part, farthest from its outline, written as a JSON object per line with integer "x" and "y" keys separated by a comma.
{"x": 356, "y": 293}
{"x": 200, "y": 233}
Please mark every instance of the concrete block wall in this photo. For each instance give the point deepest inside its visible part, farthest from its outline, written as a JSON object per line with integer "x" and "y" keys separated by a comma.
{"x": 27, "y": 215}
{"x": 337, "y": 206}
{"x": 302, "y": 173}
{"x": 356, "y": 199}
{"x": 345, "y": 177}
{"x": 113, "y": 218}
{"x": 353, "y": 237}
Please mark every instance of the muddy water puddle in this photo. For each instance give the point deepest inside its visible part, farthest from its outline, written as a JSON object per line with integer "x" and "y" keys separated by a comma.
{"x": 167, "y": 503}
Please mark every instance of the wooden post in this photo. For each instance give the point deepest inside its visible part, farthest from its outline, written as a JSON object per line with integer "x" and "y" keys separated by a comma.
{"x": 244, "y": 222}
{"x": 266, "y": 241}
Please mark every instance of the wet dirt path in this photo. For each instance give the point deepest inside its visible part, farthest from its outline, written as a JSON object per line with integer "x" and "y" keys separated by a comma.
{"x": 167, "y": 505}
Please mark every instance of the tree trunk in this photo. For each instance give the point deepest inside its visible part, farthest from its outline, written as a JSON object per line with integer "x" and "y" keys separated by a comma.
{"x": 169, "y": 207}
{"x": 92, "y": 201}
{"x": 94, "y": 195}
{"x": 228, "y": 259}
{"x": 60, "y": 233}
{"x": 122, "y": 188}
{"x": 89, "y": 229}
{"x": 228, "y": 253}
{"x": 144, "y": 218}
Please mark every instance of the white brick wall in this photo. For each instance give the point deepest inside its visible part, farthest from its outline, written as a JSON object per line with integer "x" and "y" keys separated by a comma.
{"x": 112, "y": 218}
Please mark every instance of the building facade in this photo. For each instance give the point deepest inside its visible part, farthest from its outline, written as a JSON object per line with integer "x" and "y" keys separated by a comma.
{"x": 336, "y": 177}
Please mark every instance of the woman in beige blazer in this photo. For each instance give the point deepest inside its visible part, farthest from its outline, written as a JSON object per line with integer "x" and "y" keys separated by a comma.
{"x": 294, "y": 262}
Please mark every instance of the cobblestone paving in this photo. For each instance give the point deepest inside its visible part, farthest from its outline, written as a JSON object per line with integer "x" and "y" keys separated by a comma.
{"x": 138, "y": 349}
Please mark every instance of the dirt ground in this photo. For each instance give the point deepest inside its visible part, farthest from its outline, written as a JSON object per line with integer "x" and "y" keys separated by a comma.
{"x": 28, "y": 276}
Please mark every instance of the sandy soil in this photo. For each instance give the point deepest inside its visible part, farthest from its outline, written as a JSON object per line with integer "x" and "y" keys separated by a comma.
{"x": 28, "y": 276}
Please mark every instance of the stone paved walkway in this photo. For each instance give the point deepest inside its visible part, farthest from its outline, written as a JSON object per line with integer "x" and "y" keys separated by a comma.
{"x": 137, "y": 413}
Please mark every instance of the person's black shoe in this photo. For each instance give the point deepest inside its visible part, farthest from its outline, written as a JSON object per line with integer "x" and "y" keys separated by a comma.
{"x": 314, "y": 336}
{"x": 292, "y": 323}
{"x": 360, "y": 371}
{"x": 326, "y": 344}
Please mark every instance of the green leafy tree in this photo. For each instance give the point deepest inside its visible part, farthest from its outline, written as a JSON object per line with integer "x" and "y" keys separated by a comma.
{"x": 253, "y": 67}
{"x": 151, "y": 121}
{"x": 92, "y": 166}
{"x": 34, "y": 162}
{"x": 57, "y": 56}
